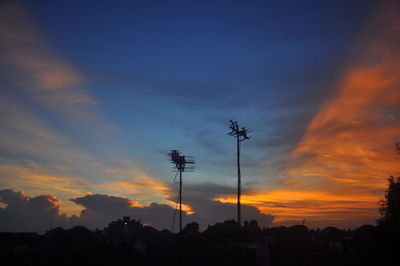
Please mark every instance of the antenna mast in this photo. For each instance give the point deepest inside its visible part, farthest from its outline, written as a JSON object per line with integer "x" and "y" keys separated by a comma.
{"x": 180, "y": 162}
{"x": 241, "y": 135}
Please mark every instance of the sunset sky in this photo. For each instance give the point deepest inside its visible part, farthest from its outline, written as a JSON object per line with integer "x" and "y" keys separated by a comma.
{"x": 94, "y": 94}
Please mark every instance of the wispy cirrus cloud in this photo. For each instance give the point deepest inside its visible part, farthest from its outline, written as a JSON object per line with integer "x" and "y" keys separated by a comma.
{"x": 32, "y": 65}
{"x": 38, "y": 159}
{"x": 23, "y": 133}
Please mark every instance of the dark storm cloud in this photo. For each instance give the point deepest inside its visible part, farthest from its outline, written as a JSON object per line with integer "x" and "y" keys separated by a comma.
{"x": 38, "y": 214}
{"x": 101, "y": 209}
{"x": 25, "y": 214}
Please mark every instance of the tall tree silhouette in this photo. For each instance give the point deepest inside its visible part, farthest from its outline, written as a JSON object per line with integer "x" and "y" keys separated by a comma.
{"x": 390, "y": 207}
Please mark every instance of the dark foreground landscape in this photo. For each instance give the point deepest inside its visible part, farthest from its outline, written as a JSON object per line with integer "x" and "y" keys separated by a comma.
{"x": 128, "y": 242}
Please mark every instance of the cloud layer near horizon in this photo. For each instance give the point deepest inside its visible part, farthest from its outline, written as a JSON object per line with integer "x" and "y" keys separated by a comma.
{"x": 38, "y": 214}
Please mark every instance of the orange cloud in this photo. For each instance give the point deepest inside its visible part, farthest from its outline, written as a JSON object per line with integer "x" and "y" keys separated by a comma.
{"x": 185, "y": 207}
{"x": 39, "y": 181}
{"x": 144, "y": 188}
{"x": 338, "y": 171}
{"x": 350, "y": 142}
{"x": 319, "y": 208}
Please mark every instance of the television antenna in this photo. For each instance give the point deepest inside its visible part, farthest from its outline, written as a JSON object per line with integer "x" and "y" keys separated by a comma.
{"x": 241, "y": 135}
{"x": 180, "y": 162}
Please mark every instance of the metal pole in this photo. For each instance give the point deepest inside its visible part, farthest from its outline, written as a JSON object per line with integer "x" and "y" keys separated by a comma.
{"x": 180, "y": 201}
{"x": 239, "y": 177}
{"x": 180, "y": 217}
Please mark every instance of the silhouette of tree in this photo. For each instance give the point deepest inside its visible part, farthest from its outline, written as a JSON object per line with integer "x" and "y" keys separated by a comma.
{"x": 251, "y": 231}
{"x": 226, "y": 231}
{"x": 191, "y": 229}
{"x": 390, "y": 207}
